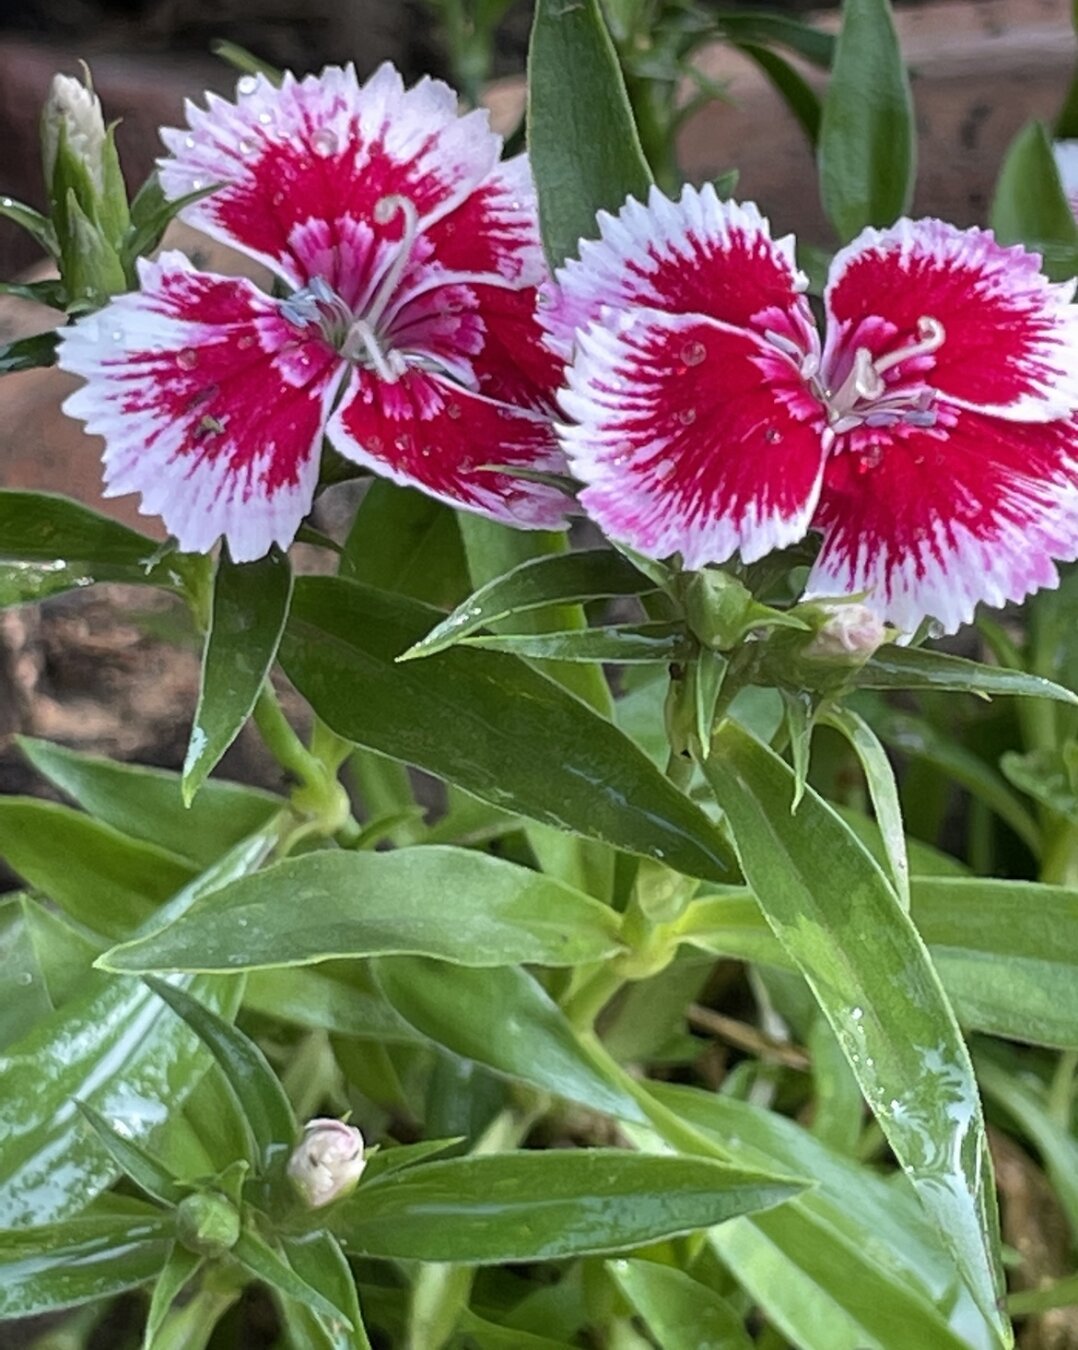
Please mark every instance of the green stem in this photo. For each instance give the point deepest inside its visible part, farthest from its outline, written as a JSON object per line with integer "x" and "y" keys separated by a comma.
{"x": 318, "y": 795}
{"x": 592, "y": 995}
{"x": 190, "y": 1326}
{"x": 283, "y": 742}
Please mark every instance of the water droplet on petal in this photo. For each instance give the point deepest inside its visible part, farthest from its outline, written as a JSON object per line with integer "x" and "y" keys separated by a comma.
{"x": 693, "y": 353}
{"x": 687, "y": 416}
{"x": 265, "y": 119}
{"x": 197, "y": 184}
{"x": 324, "y": 143}
{"x": 402, "y": 443}
{"x": 187, "y": 359}
{"x": 773, "y": 435}
{"x": 247, "y": 84}
{"x": 245, "y": 342}
{"x": 452, "y": 410}
{"x": 870, "y": 458}
{"x": 189, "y": 142}
{"x": 117, "y": 335}
{"x": 664, "y": 468}
{"x": 245, "y": 146}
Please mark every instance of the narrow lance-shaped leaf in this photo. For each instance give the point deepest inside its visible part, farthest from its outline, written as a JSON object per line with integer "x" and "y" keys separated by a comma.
{"x": 256, "y": 1087}
{"x": 488, "y": 723}
{"x": 344, "y": 904}
{"x": 250, "y": 606}
{"x": 866, "y": 147}
{"x": 622, "y": 644}
{"x": 837, "y": 916}
{"x": 558, "y": 579}
{"x": 923, "y": 668}
{"x": 1030, "y": 206}
{"x": 534, "y": 1206}
{"x": 682, "y": 1313}
{"x": 583, "y": 143}
{"x": 61, "y": 1265}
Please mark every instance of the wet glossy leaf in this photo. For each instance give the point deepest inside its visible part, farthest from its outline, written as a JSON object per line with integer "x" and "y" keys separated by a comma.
{"x": 318, "y": 1260}
{"x": 147, "y": 803}
{"x": 456, "y": 1008}
{"x": 626, "y": 644}
{"x": 258, "y": 1258}
{"x": 843, "y": 1264}
{"x": 28, "y": 353}
{"x": 133, "y": 1160}
{"x": 681, "y": 1313}
{"x": 24, "y": 993}
{"x": 486, "y": 722}
{"x": 114, "y": 1046}
{"x": 257, "y": 1088}
{"x": 181, "y": 1266}
{"x": 35, "y": 224}
{"x": 562, "y": 578}
{"x": 250, "y": 606}
{"x": 836, "y": 914}
{"x": 449, "y": 903}
{"x": 338, "y": 998}
{"x": 922, "y": 668}
{"x": 582, "y": 140}
{"x": 546, "y": 1205}
{"x": 867, "y": 148}
{"x": 100, "y": 877}
{"x": 383, "y": 1161}
{"x": 49, "y": 544}
{"x": 63, "y": 1264}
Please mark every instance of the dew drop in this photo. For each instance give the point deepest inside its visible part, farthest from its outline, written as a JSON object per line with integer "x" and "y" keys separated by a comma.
{"x": 857, "y": 1014}
{"x": 6, "y": 203}
{"x": 687, "y": 416}
{"x": 197, "y": 184}
{"x": 117, "y": 335}
{"x": 324, "y": 143}
{"x": 453, "y": 410}
{"x": 245, "y": 146}
{"x": 427, "y": 451}
{"x": 693, "y": 353}
{"x": 247, "y": 84}
{"x": 187, "y": 359}
{"x": 189, "y": 142}
{"x": 772, "y": 435}
{"x": 246, "y": 342}
{"x": 663, "y": 469}
{"x": 403, "y": 443}
{"x": 24, "y": 978}
{"x": 265, "y": 119}
{"x": 870, "y": 458}
{"x": 278, "y": 197}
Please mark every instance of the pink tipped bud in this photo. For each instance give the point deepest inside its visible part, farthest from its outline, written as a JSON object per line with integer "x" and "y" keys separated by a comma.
{"x": 850, "y": 632}
{"x": 327, "y": 1162}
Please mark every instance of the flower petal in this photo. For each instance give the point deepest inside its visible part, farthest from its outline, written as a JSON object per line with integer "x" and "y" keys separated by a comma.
{"x": 325, "y": 148}
{"x": 696, "y": 255}
{"x": 210, "y": 405}
{"x": 930, "y": 521}
{"x": 424, "y": 431}
{"x": 1010, "y": 336}
{"x": 693, "y": 437}
{"x": 495, "y": 230}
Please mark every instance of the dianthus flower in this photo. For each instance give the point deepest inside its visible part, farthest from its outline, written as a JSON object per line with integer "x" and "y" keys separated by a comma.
{"x": 409, "y": 256}
{"x": 929, "y": 438}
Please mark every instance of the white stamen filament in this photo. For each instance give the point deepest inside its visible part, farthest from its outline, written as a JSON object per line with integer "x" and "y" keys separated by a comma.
{"x": 865, "y": 381}
{"x": 361, "y": 341}
{"x": 932, "y": 336}
{"x": 384, "y": 211}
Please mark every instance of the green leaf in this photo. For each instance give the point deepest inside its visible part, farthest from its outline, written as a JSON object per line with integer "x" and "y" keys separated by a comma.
{"x": 259, "y": 1259}
{"x": 33, "y": 222}
{"x": 402, "y": 540}
{"x": 383, "y": 1161}
{"x": 883, "y": 790}
{"x": 114, "y": 1047}
{"x": 1030, "y": 206}
{"x": 256, "y": 1087}
{"x": 147, "y": 804}
{"x": 343, "y": 904}
{"x": 100, "y": 877}
{"x": 250, "y": 606}
{"x": 681, "y": 1313}
{"x": 847, "y": 1261}
{"x": 24, "y": 990}
{"x": 64, "y": 1264}
{"x": 133, "y": 1160}
{"x": 582, "y": 141}
{"x": 799, "y": 95}
{"x": 780, "y": 30}
{"x": 49, "y": 544}
{"x": 486, "y": 722}
{"x": 626, "y": 644}
{"x": 180, "y": 1268}
{"x": 922, "y": 668}
{"x": 318, "y": 1260}
{"x": 28, "y": 353}
{"x": 456, "y": 1007}
{"x": 836, "y": 914}
{"x": 558, "y": 579}
{"x": 151, "y": 214}
{"x": 866, "y": 148}
{"x": 535, "y": 1206}
{"x": 338, "y": 998}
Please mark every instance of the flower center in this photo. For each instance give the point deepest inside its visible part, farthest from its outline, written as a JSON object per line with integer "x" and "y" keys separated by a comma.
{"x": 865, "y": 399}
{"x": 361, "y": 337}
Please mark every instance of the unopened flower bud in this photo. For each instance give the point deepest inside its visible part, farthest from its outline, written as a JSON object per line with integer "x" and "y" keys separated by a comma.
{"x": 327, "y": 1162}
{"x": 850, "y": 632}
{"x": 73, "y": 115}
{"x": 207, "y": 1223}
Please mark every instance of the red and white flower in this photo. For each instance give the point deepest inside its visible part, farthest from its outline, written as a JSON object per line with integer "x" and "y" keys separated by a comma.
{"x": 409, "y": 254}
{"x": 930, "y": 437}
